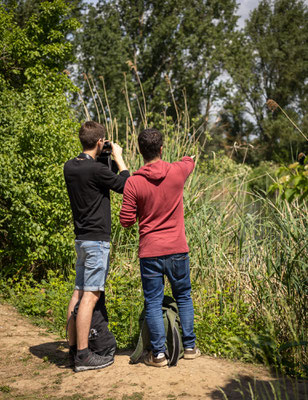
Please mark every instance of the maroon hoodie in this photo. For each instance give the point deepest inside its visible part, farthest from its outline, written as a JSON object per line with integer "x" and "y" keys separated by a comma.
{"x": 154, "y": 195}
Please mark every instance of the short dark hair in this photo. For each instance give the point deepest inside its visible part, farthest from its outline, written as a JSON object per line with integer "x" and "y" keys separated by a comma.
{"x": 89, "y": 134}
{"x": 150, "y": 142}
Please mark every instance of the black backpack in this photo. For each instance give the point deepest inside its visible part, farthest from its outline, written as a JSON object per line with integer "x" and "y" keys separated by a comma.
{"x": 174, "y": 344}
{"x": 101, "y": 340}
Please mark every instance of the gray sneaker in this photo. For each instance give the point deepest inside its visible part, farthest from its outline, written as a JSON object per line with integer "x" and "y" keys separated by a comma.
{"x": 191, "y": 354}
{"x": 92, "y": 361}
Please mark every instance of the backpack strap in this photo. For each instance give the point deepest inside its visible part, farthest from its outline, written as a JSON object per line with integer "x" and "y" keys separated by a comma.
{"x": 174, "y": 344}
{"x": 175, "y": 352}
{"x": 143, "y": 343}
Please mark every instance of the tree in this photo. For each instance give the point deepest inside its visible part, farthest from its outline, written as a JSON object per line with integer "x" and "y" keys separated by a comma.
{"x": 23, "y": 9}
{"x": 39, "y": 47}
{"x": 170, "y": 46}
{"x": 271, "y": 62}
{"x": 37, "y": 132}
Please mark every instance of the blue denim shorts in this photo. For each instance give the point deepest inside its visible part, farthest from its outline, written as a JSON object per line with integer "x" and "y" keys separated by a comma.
{"x": 92, "y": 265}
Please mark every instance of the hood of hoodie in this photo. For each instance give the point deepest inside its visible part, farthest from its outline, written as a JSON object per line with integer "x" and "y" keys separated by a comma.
{"x": 155, "y": 172}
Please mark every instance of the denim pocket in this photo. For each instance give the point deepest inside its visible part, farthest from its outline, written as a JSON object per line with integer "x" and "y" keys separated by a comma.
{"x": 86, "y": 244}
{"x": 149, "y": 267}
{"x": 180, "y": 265}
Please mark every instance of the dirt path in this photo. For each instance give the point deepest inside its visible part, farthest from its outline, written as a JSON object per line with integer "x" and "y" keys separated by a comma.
{"x": 35, "y": 365}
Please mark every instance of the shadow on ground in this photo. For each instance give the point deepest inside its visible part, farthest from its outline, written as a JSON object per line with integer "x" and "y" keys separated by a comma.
{"x": 53, "y": 352}
{"x": 57, "y": 353}
{"x": 247, "y": 388}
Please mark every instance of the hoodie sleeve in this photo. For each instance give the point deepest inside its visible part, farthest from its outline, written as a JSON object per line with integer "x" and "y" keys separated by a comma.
{"x": 128, "y": 213}
{"x": 186, "y": 165}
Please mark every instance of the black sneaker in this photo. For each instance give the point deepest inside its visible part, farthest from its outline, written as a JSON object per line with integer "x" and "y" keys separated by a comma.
{"x": 92, "y": 361}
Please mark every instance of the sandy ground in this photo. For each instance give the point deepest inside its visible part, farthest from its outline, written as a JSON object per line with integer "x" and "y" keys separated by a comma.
{"x": 35, "y": 365}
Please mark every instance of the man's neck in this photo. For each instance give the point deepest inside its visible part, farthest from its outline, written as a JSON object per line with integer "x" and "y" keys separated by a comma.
{"x": 91, "y": 153}
{"x": 152, "y": 161}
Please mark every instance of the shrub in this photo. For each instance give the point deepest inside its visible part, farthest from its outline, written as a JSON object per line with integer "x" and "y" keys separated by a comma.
{"x": 47, "y": 300}
{"x": 223, "y": 325}
{"x": 38, "y": 134}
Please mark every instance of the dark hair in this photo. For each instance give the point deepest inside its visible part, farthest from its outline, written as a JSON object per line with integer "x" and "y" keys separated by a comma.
{"x": 89, "y": 134}
{"x": 150, "y": 142}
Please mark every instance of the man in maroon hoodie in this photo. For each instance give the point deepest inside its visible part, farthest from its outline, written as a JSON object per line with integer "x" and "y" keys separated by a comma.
{"x": 154, "y": 195}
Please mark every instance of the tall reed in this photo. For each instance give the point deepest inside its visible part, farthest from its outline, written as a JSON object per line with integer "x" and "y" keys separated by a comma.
{"x": 248, "y": 254}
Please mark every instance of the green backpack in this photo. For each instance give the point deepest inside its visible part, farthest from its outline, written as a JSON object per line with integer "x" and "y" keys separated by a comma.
{"x": 174, "y": 344}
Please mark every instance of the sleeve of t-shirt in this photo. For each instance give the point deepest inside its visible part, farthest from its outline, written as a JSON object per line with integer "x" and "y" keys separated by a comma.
{"x": 128, "y": 213}
{"x": 186, "y": 165}
{"x": 108, "y": 179}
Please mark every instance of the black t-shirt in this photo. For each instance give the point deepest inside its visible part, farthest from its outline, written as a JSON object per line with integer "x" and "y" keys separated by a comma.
{"x": 88, "y": 183}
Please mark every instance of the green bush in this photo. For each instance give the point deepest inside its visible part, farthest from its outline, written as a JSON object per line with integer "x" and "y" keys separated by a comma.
{"x": 223, "y": 325}
{"x": 38, "y": 134}
{"x": 292, "y": 182}
{"x": 47, "y": 300}
{"x": 124, "y": 302}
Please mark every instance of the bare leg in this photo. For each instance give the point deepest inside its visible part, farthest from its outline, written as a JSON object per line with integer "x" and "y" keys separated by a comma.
{"x": 84, "y": 317}
{"x": 72, "y": 336}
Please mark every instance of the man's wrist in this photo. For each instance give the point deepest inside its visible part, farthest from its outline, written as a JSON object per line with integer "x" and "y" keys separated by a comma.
{"x": 118, "y": 158}
{"x": 120, "y": 163}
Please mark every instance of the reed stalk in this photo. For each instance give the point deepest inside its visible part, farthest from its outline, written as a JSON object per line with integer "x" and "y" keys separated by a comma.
{"x": 272, "y": 105}
{"x": 244, "y": 246}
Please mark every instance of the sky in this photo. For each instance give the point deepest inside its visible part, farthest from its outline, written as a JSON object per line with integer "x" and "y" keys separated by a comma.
{"x": 245, "y": 6}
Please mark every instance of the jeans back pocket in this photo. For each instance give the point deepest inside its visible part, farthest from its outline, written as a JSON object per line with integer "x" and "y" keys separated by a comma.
{"x": 180, "y": 265}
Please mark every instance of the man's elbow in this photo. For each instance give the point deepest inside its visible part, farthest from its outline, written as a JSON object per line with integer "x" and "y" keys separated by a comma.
{"x": 126, "y": 223}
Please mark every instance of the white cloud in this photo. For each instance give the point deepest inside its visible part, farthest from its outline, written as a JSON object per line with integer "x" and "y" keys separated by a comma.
{"x": 245, "y": 6}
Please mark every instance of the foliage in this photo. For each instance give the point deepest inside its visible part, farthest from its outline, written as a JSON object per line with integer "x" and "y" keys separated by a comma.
{"x": 46, "y": 301}
{"x": 37, "y": 48}
{"x": 262, "y": 177}
{"x": 221, "y": 165}
{"x": 124, "y": 302}
{"x": 165, "y": 44}
{"x": 292, "y": 182}
{"x": 37, "y": 130}
{"x": 220, "y": 321}
{"x": 37, "y": 134}
{"x": 48, "y": 298}
{"x": 270, "y": 63}
{"x": 24, "y": 9}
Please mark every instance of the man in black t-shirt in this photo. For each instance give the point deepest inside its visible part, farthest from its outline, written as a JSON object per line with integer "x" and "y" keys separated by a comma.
{"x": 89, "y": 183}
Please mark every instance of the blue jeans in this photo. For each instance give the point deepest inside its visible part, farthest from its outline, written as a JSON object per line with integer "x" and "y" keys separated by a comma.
{"x": 176, "y": 268}
{"x": 92, "y": 265}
